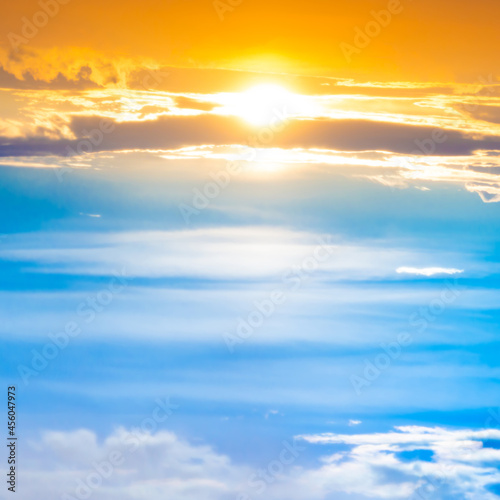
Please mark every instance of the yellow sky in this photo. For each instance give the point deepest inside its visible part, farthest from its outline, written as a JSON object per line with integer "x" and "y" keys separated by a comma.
{"x": 423, "y": 40}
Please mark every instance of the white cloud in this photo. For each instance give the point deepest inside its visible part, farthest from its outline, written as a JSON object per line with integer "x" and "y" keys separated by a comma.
{"x": 161, "y": 465}
{"x": 489, "y": 193}
{"x": 461, "y": 467}
{"x": 149, "y": 467}
{"x": 428, "y": 271}
{"x": 405, "y": 435}
{"x": 220, "y": 253}
{"x": 354, "y": 422}
{"x": 90, "y": 215}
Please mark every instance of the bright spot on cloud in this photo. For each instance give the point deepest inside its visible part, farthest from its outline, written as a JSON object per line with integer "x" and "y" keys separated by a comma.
{"x": 352, "y": 423}
{"x": 428, "y": 271}
{"x": 97, "y": 216}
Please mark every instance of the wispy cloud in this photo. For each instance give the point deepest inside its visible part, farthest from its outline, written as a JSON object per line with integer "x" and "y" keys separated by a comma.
{"x": 428, "y": 271}
{"x": 97, "y": 216}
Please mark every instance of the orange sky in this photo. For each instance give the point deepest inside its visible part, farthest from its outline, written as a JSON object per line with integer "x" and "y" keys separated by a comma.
{"x": 426, "y": 41}
{"x": 360, "y": 84}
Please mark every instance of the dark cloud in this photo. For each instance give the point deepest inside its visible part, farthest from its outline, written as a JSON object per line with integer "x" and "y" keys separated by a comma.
{"x": 208, "y": 80}
{"x": 494, "y": 170}
{"x": 149, "y": 110}
{"x": 344, "y": 135}
{"x": 364, "y": 135}
{"x": 34, "y": 146}
{"x": 82, "y": 82}
{"x": 188, "y": 103}
{"x": 486, "y": 113}
{"x": 172, "y": 132}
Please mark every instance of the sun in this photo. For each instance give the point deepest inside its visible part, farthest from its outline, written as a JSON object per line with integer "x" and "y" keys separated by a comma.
{"x": 267, "y": 105}
{"x": 264, "y": 103}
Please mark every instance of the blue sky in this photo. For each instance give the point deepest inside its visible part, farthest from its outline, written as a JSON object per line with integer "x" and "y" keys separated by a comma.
{"x": 249, "y": 249}
{"x": 391, "y": 255}
{"x": 233, "y": 285}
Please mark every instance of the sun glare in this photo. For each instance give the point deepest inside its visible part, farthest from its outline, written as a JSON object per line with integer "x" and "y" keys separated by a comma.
{"x": 259, "y": 104}
{"x": 266, "y": 104}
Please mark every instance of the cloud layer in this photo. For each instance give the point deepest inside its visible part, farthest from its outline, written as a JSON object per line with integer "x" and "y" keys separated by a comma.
{"x": 409, "y": 462}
